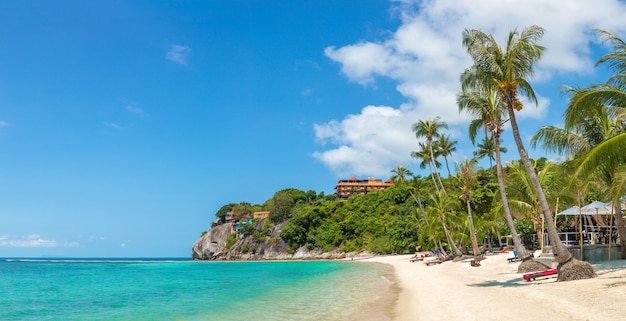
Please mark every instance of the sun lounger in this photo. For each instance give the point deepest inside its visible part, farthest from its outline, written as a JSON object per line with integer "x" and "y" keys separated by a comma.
{"x": 533, "y": 276}
{"x": 515, "y": 258}
{"x": 432, "y": 260}
{"x": 419, "y": 256}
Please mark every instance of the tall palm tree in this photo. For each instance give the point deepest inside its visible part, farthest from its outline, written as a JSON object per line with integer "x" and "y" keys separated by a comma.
{"x": 467, "y": 179}
{"x": 578, "y": 140}
{"x": 610, "y": 154}
{"x": 445, "y": 148}
{"x": 425, "y": 155}
{"x": 400, "y": 175}
{"x": 507, "y": 72}
{"x": 489, "y": 114}
{"x": 429, "y": 129}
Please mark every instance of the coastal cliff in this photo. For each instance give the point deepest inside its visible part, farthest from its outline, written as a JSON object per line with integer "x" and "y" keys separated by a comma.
{"x": 262, "y": 244}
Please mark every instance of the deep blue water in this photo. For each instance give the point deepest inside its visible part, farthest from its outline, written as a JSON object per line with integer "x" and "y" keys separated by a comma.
{"x": 180, "y": 289}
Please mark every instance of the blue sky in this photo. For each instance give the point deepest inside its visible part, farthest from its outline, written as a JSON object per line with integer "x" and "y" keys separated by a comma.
{"x": 125, "y": 125}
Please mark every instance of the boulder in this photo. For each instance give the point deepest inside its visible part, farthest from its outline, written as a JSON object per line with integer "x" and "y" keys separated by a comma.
{"x": 211, "y": 244}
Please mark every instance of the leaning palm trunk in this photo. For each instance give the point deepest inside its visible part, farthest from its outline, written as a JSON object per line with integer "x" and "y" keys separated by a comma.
{"x": 453, "y": 246}
{"x": 561, "y": 253}
{"x": 477, "y": 254}
{"x": 517, "y": 242}
{"x": 432, "y": 159}
{"x": 419, "y": 203}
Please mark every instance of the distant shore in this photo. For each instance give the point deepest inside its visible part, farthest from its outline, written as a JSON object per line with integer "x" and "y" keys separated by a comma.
{"x": 495, "y": 291}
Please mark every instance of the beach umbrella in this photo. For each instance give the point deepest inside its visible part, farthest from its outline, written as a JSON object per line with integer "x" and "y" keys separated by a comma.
{"x": 574, "y": 210}
{"x": 597, "y": 207}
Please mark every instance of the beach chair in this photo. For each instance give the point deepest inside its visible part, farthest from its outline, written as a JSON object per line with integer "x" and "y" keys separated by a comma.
{"x": 533, "y": 276}
{"x": 515, "y": 258}
{"x": 432, "y": 260}
{"x": 419, "y": 256}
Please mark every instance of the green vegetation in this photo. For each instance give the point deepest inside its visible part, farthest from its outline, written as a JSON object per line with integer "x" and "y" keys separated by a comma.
{"x": 474, "y": 206}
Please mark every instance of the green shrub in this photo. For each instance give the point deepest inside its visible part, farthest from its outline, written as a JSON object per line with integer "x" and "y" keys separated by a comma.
{"x": 258, "y": 236}
{"x": 232, "y": 239}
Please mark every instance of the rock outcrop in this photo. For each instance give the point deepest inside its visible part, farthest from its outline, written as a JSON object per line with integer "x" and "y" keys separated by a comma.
{"x": 265, "y": 245}
{"x": 212, "y": 243}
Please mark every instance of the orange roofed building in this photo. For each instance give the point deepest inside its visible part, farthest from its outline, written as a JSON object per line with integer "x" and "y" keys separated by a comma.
{"x": 348, "y": 187}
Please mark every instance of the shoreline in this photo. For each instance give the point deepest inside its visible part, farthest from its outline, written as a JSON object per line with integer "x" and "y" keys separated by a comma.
{"x": 495, "y": 291}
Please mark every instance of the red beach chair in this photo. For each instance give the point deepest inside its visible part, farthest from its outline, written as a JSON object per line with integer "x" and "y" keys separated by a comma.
{"x": 533, "y": 276}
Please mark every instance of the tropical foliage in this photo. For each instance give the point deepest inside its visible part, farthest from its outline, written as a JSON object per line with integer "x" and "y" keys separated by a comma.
{"x": 475, "y": 207}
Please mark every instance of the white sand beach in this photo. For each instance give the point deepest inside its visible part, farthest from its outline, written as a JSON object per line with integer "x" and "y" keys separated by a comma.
{"x": 495, "y": 291}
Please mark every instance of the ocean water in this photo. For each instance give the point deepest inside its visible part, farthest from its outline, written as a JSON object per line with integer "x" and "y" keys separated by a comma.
{"x": 190, "y": 290}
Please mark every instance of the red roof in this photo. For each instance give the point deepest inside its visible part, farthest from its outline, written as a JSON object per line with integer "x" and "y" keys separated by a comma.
{"x": 353, "y": 178}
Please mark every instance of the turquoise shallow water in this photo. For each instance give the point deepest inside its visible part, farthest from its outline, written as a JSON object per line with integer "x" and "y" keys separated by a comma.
{"x": 188, "y": 290}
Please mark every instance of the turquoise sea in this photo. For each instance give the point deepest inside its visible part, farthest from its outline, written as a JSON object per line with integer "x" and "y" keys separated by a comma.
{"x": 175, "y": 289}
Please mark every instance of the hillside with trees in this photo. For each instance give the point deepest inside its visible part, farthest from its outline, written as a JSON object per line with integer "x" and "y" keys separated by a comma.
{"x": 466, "y": 209}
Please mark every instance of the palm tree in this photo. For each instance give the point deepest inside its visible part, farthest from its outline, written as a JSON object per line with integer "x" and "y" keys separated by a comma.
{"x": 489, "y": 113}
{"x": 578, "y": 140}
{"x": 430, "y": 130}
{"x": 400, "y": 175}
{"x": 425, "y": 155}
{"x": 523, "y": 196}
{"x": 610, "y": 154}
{"x": 445, "y": 147}
{"x": 507, "y": 72}
{"x": 487, "y": 148}
{"x": 467, "y": 178}
{"x": 441, "y": 205}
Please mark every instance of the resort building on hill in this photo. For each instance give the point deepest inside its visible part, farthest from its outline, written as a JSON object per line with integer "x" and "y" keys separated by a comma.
{"x": 260, "y": 215}
{"x": 348, "y": 187}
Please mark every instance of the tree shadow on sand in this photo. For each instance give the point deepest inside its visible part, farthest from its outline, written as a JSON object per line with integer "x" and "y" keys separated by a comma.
{"x": 506, "y": 284}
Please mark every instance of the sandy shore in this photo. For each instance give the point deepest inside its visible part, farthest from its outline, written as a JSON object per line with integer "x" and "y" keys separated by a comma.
{"x": 495, "y": 291}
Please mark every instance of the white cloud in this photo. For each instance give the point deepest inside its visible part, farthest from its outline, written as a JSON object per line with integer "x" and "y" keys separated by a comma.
{"x": 366, "y": 142}
{"x": 112, "y": 125}
{"x": 136, "y": 110}
{"x": 178, "y": 54}
{"x": 122, "y": 244}
{"x": 33, "y": 240}
{"x": 425, "y": 57}
{"x": 4, "y": 123}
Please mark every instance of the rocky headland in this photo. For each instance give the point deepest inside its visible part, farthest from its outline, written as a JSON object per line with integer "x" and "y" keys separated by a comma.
{"x": 264, "y": 244}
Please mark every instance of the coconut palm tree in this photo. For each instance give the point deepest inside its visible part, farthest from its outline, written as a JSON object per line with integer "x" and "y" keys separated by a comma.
{"x": 507, "y": 72}
{"x": 425, "y": 155}
{"x": 429, "y": 129}
{"x": 467, "y": 179}
{"x": 578, "y": 140}
{"x": 489, "y": 114}
{"x": 522, "y": 194}
{"x": 400, "y": 176}
{"x": 610, "y": 154}
{"x": 439, "y": 206}
{"x": 487, "y": 148}
{"x": 445, "y": 147}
